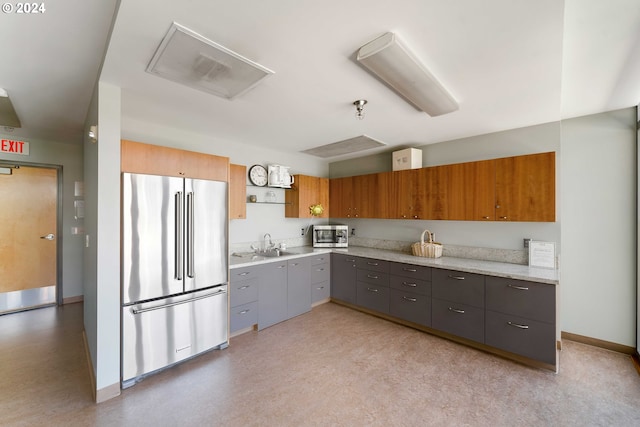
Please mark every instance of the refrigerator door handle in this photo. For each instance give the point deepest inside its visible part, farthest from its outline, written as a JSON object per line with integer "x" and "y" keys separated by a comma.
{"x": 144, "y": 310}
{"x": 190, "y": 235}
{"x": 179, "y": 235}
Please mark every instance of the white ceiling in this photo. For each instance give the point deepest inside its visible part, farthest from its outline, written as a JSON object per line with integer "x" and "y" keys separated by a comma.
{"x": 509, "y": 63}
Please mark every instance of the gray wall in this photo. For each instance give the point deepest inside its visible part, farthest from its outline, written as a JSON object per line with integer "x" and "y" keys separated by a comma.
{"x": 599, "y": 226}
{"x": 69, "y": 156}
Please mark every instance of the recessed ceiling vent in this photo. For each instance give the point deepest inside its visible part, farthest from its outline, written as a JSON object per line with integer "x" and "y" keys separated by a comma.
{"x": 347, "y": 146}
{"x": 186, "y": 57}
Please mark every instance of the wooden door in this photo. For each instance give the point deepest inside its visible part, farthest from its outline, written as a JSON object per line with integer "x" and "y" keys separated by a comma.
{"x": 341, "y": 197}
{"x": 305, "y": 192}
{"x": 471, "y": 191}
{"x": 526, "y": 188}
{"x": 237, "y": 192}
{"x": 432, "y": 201}
{"x": 28, "y": 259}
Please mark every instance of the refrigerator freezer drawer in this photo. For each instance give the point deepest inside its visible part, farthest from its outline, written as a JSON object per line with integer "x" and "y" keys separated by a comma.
{"x": 159, "y": 333}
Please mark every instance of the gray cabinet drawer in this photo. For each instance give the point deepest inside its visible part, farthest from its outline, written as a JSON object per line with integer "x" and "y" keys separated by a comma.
{"x": 456, "y": 286}
{"x": 408, "y": 284}
{"x": 410, "y": 306}
{"x": 530, "y": 300}
{"x": 244, "y": 291}
{"x": 373, "y": 277}
{"x": 529, "y": 338}
{"x": 244, "y": 273}
{"x": 458, "y": 319}
{"x": 409, "y": 270}
{"x": 243, "y": 316}
{"x": 320, "y": 273}
{"x": 320, "y": 291}
{"x": 319, "y": 259}
{"x": 373, "y": 297}
{"x": 372, "y": 264}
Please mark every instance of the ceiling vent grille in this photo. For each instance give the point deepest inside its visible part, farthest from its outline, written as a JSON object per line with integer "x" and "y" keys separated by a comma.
{"x": 347, "y": 146}
{"x": 188, "y": 58}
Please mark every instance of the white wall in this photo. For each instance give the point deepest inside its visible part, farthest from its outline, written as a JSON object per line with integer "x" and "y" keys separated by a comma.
{"x": 598, "y": 281}
{"x": 261, "y": 219}
{"x": 102, "y": 257}
{"x": 69, "y": 156}
{"x": 503, "y": 235}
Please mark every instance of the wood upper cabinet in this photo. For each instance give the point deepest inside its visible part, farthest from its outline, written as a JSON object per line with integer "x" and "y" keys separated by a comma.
{"x": 340, "y": 197}
{"x": 306, "y": 191}
{"x": 237, "y": 191}
{"x": 362, "y": 196}
{"x": 150, "y": 159}
{"x": 434, "y": 192}
{"x": 526, "y": 188}
{"x": 471, "y": 194}
{"x": 408, "y": 187}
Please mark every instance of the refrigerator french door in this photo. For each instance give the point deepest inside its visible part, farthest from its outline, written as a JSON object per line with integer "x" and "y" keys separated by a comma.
{"x": 174, "y": 271}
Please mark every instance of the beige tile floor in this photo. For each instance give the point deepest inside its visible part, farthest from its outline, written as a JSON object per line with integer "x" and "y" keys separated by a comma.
{"x": 331, "y": 367}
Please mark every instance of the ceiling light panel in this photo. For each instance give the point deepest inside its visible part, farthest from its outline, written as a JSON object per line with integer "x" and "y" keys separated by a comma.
{"x": 347, "y": 146}
{"x": 186, "y": 57}
{"x": 397, "y": 66}
{"x": 8, "y": 116}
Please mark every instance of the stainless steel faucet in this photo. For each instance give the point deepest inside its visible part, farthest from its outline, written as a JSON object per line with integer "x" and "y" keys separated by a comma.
{"x": 271, "y": 245}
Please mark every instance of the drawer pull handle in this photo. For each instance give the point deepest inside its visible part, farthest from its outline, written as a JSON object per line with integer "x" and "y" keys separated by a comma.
{"x": 520, "y": 288}
{"x": 243, "y": 274}
{"x": 281, "y": 266}
{"x": 320, "y": 288}
{"x": 372, "y": 263}
{"x": 320, "y": 269}
{"x": 455, "y": 310}
{"x": 412, "y": 270}
{"x": 517, "y": 325}
{"x": 372, "y": 277}
{"x": 372, "y": 289}
{"x": 294, "y": 264}
{"x": 410, "y": 299}
{"x": 413, "y": 285}
{"x": 245, "y": 311}
{"x": 456, "y": 277}
{"x": 350, "y": 260}
{"x": 243, "y": 287}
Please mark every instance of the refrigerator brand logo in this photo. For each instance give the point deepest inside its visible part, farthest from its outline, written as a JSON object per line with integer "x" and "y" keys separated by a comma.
{"x": 14, "y": 147}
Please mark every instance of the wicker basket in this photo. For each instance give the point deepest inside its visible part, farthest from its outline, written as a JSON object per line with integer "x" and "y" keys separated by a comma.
{"x": 428, "y": 249}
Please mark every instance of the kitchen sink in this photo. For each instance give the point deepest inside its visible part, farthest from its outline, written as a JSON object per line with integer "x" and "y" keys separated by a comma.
{"x": 275, "y": 253}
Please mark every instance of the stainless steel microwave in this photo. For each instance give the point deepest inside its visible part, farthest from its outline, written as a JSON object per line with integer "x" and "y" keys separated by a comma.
{"x": 330, "y": 236}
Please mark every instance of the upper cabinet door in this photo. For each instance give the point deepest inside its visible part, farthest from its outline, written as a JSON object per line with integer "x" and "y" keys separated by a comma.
{"x": 237, "y": 192}
{"x": 526, "y": 188}
{"x": 471, "y": 193}
{"x": 306, "y": 191}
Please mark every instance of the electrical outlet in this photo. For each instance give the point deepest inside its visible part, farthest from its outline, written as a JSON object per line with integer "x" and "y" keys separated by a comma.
{"x": 526, "y": 243}
{"x": 302, "y": 232}
{"x": 353, "y": 231}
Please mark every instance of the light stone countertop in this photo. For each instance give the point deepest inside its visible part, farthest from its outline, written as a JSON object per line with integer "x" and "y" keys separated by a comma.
{"x": 490, "y": 268}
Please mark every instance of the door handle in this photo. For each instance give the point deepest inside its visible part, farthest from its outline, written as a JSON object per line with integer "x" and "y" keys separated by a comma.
{"x": 49, "y": 236}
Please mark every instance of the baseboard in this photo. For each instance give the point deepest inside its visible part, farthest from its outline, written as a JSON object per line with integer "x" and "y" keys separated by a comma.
{"x": 598, "y": 343}
{"x": 73, "y": 300}
{"x": 104, "y": 393}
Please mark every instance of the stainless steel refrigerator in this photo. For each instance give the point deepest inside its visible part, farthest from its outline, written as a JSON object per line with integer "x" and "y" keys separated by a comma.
{"x": 174, "y": 271}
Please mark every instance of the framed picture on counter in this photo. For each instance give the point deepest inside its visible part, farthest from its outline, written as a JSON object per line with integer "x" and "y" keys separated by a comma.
{"x": 542, "y": 254}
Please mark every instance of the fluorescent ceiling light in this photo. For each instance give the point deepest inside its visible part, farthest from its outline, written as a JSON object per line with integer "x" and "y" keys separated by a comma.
{"x": 392, "y": 62}
{"x": 347, "y": 146}
{"x": 8, "y": 116}
{"x": 186, "y": 57}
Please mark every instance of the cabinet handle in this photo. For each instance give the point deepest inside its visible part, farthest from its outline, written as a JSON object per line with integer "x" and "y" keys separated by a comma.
{"x": 456, "y": 277}
{"x": 243, "y": 287}
{"x": 320, "y": 287}
{"x": 294, "y": 264}
{"x": 281, "y": 266}
{"x": 485, "y": 217}
{"x": 455, "y": 310}
{"x": 350, "y": 260}
{"x": 516, "y": 325}
{"x": 416, "y": 217}
{"x": 412, "y": 270}
{"x": 372, "y": 277}
{"x": 245, "y": 311}
{"x": 372, "y": 263}
{"x": 243, "y": 274}
{"x": 410, "y": 299}
{"x": 320, "y": 269}
{"x": 502, "y": 217}
{"x": 413, "y": 285}
{"x": 372, "y": 289}
{"x": 520, "y": 288}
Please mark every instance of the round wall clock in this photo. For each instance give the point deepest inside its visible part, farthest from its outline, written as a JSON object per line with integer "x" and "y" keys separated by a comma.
{"x": 258, "y": 175}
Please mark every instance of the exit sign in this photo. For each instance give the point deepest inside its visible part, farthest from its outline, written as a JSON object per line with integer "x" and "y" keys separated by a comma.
{"x": 14, "y": 147}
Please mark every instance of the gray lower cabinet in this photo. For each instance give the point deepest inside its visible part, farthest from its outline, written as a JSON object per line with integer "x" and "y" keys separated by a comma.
{"x": 458, "y": 303}
{"x": 243, "y": 297}
{"x": 372, "y": 284}
{"x": 298, "y": 286}
{"x": 343, "y": 277}
{"x": 272, "y": 300}
{"x": 320, "y": 277}
{"x": 521, "y": 318}
{"x": 410, "y": 293}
